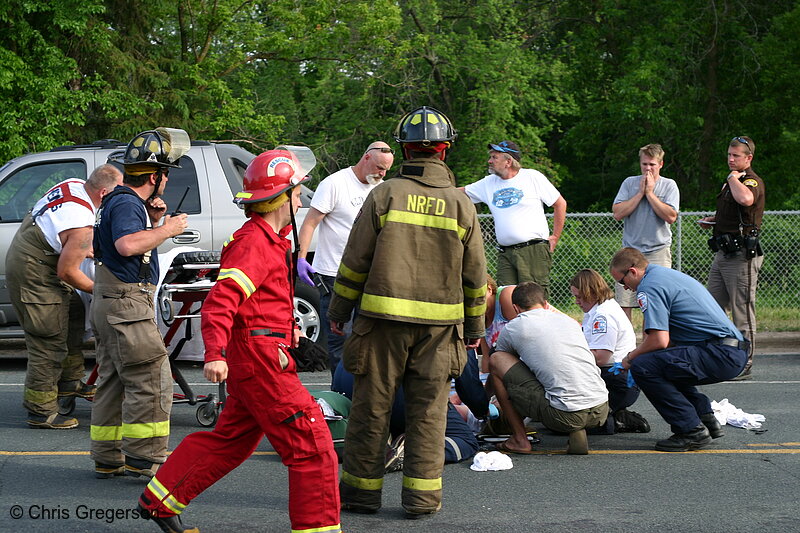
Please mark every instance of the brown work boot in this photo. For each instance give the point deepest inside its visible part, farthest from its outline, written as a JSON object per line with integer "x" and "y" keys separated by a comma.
{"x": 416, "y": 514}
{"x": 140, "y": 467}
{"x": 578, "y": 444}
{"x": 103, "y": 471}
{"x": 76, "y": 388}
{"x": 53, "y": 421}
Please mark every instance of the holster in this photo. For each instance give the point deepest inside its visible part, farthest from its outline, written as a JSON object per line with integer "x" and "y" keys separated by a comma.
{"x": 752, "y": 246}
{"x": 727, "y": 243}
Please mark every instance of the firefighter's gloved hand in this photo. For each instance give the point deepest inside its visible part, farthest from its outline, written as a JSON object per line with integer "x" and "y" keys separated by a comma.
{"x": 309, "y": 356}
{"x": 305, "y": 271}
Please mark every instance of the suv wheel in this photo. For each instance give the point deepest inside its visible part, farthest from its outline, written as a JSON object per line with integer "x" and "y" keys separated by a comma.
{"x": 307, "y": 312}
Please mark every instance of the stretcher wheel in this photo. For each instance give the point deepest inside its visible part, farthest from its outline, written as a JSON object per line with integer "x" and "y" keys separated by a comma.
{"x": 66, "y": 405}
{"x": 167, "y": 311}
{"x": 208, "y": 412}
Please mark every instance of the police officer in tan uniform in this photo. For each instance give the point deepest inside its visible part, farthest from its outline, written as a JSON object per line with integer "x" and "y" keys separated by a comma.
{"x": 130, "y": 414}
{"x": 738, "y": 256}
{"x": 415, "y": 264}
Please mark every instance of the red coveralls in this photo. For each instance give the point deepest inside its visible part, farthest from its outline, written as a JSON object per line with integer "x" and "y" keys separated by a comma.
{"x": 249, "y": 313}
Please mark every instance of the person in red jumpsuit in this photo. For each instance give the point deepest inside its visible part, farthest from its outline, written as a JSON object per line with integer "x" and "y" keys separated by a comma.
{"x": 248, "y": 327}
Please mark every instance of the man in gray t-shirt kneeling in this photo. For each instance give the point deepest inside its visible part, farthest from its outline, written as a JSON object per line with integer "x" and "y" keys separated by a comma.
{"x": 648, "y": 204}
{"x": 551, "y": 378}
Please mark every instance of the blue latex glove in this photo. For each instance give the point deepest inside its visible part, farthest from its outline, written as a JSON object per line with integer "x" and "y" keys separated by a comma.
{"x": 493, "y": 412}
{"x": 305, "y": 271}
{"x": 616, "y": 368}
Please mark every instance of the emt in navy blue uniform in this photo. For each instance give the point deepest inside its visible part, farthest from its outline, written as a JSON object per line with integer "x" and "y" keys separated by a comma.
{"x": 689, "y": 341}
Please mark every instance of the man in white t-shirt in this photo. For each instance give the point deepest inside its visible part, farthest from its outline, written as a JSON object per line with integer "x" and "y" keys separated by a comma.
{"x": 336, "y": 203}
{"x": 516, "y": 197}
{"x": 648, "y": 204}
{"x": 552, "y": 379}
{"x": 43, "y": 271}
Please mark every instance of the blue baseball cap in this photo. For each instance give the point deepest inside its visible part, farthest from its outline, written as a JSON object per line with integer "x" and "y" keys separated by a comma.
{"x": 507, "y": 147}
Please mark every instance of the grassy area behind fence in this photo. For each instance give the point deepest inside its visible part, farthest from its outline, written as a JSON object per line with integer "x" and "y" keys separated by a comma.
{"x": 590, "y": 240}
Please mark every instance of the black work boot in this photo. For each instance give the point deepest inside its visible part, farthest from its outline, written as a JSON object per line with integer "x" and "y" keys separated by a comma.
{"x": 693, "y": 439}
{"x": 168, "y": 524}
{"x": 630, "y": 422}
{"x": 712, "y": 425}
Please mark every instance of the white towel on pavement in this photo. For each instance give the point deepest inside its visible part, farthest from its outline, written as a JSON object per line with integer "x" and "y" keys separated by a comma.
{"x": 491, "y": 461}
{"x": 727, "y": 413}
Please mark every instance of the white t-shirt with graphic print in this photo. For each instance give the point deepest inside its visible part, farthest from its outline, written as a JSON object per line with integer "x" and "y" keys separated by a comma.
{"x": 517, "y": 204}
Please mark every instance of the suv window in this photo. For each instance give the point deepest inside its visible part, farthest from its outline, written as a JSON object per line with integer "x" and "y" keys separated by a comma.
{"x": 21, "y": 190}
{"x": 179, "y": 179}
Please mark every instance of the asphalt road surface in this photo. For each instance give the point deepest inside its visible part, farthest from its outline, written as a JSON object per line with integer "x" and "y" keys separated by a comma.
{"x": 746, "y": 481}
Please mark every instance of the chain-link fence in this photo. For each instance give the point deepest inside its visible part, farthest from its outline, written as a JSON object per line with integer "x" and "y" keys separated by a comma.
{"x": 590, "y": 240}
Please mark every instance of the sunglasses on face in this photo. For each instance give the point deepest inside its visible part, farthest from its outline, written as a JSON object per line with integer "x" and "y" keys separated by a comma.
{"x": 621, "y": 280}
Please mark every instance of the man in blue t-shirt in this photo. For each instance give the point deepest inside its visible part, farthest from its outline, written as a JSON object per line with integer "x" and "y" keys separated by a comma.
{"x": 689, "y": 341}
{"x": 130, "y": 413}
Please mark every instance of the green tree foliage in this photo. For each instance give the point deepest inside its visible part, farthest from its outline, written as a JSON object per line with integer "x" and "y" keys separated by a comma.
{"x": 44, "y": 93}
{"x": 579, "y": 84}
{"x": 679, "y": 73}
{"x": 772, "y": 112}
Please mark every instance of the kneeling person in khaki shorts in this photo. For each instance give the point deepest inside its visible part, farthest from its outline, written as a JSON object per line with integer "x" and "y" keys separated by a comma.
{"x": 550, "y": 378}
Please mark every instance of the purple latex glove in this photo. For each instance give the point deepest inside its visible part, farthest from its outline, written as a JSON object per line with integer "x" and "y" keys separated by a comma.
{"x": 305, "y": 271}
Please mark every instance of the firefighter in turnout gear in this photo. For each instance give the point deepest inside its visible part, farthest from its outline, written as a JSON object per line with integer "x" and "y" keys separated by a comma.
{"x": 130, "y": 413}
{"x": 43, "y": 270}
{"x": 248, "y": 327}
{"x": 415, "y": 264}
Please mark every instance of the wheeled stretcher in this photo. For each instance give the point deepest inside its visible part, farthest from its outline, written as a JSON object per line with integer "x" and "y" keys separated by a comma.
{"x": 185, "y": 286}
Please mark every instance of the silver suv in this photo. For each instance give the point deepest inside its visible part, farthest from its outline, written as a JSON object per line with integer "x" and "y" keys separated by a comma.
{"x": 212, "y": 172}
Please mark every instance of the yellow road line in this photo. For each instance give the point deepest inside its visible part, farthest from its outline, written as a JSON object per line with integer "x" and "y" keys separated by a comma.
{"x": 535, "y": 452}
{"x": 650, "y": 452}
{"x": 706, "y": 451}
